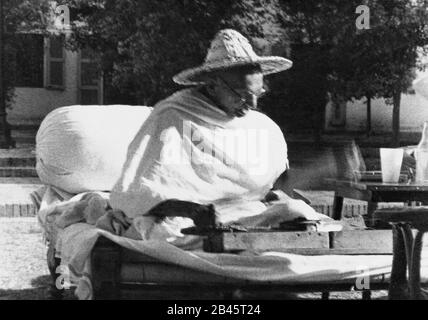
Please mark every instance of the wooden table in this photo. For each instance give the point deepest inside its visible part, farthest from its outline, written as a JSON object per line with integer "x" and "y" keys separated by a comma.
{"x": 408, "y": 225}
{"x": 373, "y": 193}
{"x": 407, "y": 248}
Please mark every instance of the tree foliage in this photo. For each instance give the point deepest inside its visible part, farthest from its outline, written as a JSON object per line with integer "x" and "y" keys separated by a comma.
{"x": 381, "y": 61}
{"x": 338, "y": 58}
{"x": 144, "y": 43}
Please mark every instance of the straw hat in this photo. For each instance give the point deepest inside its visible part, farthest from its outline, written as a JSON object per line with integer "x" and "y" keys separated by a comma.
{"x": 231, "y": 49}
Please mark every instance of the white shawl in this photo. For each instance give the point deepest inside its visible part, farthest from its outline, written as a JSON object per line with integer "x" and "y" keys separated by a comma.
{"x": 190, "y": 150}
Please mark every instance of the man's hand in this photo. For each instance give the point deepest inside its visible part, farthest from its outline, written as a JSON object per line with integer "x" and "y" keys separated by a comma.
{"x": 276, "y": 195}
{"x": 202, "y": 215}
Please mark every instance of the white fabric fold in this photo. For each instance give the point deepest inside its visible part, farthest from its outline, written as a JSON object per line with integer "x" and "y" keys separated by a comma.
{"x": 75, "y": 243}
{"x": 275, "y": 267}
{"x": 190, "y": 150}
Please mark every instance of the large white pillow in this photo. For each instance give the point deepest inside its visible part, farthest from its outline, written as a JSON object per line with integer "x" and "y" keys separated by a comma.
{"x": 83, "y": 148}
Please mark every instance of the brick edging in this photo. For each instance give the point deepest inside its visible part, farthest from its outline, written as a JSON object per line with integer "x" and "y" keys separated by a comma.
{"x": 15, "y": 210}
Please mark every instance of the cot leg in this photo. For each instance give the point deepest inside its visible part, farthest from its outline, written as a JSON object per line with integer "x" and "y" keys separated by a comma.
{"x": 105, "y": 265}
{"x": 398, "y": 283}
{"x": 415, "y": 266}
{"x": 325, "y": 295}
{"x": 367, "y": 295}
{"x": 53, "y": 264}
{"x": 337, "y": 207}
{"x": 369, "y": 219}
{"x": 230, "y": 295}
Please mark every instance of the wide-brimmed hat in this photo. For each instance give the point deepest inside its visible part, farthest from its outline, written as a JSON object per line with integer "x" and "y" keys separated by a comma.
{"x": 231, "y": 49}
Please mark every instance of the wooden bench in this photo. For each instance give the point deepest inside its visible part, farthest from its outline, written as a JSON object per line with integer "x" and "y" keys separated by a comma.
{"x": 119, "y": 273}
{"x": 407, "y": 248}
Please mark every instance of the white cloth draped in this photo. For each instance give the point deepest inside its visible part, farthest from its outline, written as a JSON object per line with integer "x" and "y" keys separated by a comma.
{"x": 83, "y": 148}
{"x": 190, "y": 150}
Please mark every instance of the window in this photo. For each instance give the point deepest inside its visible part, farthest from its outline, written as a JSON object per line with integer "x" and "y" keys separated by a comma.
{"x": 29, "y": 53}
{"x": 55, "y": 62}
{"x": 90, "y": 80}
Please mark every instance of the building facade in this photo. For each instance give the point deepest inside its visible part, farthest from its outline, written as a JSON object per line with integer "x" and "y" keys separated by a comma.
{"x": 49, "y": 76}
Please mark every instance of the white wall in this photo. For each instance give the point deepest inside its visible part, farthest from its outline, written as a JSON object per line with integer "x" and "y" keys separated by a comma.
{"x": 413, "y": 113}
{"x": 31, "y": 105}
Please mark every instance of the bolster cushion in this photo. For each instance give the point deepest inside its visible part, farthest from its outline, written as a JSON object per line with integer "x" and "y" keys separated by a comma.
{"x": 83, "y": 148}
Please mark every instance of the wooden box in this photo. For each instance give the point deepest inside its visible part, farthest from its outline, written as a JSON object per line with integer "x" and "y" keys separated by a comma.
{"x": 351, "y": 242}
{"x": 266, "y": 241}
{"x": 362, "y": 242}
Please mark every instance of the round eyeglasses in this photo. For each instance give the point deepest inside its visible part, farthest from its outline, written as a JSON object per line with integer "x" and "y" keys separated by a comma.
{"x": 258, "y": 94}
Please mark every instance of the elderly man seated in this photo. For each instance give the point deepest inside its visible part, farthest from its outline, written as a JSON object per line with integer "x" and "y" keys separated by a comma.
{"x": 208, "y": 144}
{"x": 204, "y": 149}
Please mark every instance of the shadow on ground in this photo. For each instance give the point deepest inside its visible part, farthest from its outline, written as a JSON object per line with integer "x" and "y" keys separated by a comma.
{"x": 40, "y": 291}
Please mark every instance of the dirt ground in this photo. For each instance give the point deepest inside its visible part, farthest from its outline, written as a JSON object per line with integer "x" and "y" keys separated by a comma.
{"x": 23, "y": 270}
{"x": 24, "y": 274}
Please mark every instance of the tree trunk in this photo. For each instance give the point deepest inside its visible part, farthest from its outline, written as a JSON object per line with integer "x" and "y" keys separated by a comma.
{"x": 369, "y": 116}
{"x": 396, "y": 119}
{"x": 318, "y": 122}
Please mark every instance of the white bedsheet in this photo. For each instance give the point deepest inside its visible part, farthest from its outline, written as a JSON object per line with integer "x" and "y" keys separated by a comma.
{"x": 74, "y": 245}
{"x": 77, "y": 241}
